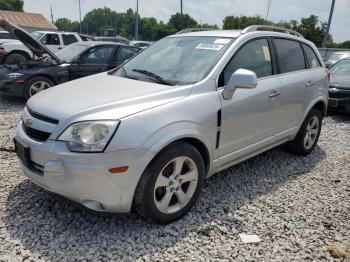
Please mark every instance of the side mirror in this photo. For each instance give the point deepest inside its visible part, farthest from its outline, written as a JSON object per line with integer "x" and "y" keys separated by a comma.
{"x": 242, "y": 78}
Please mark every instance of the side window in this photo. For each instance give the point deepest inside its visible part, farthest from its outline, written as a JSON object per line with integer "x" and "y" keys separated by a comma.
{"x": 126, "y": 53}
{"x": 290, "y": 55}
{"x": 98, "y": 56}
{"x": 254, "y": 56}
{"x": 69, "y": 39}
{"x": 50, "y": 39}
{"x": 311, "y": 57}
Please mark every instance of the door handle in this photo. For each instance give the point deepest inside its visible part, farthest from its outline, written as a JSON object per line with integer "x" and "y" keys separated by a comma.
{"x": 309, "y": 84}
{"x": 274, "y": 93}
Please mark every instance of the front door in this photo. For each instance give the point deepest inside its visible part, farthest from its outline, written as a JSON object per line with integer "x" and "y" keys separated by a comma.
{"x": 96, "y": 60}
{"x": 248, "y": 117}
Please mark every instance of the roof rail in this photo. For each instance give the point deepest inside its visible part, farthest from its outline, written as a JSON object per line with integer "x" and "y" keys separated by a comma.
{"x": 190, "y": 30}
{"x": 253, "y": 28}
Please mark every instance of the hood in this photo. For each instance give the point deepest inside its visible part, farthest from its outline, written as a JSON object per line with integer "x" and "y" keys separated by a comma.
{"x": 340, "y": 81}
{"x": 103, "y": 96}
{"x": 38, "y": 48}
{"x": 4, "y": 41}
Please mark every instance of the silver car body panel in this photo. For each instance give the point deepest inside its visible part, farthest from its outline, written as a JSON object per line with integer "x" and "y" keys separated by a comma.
{"x": 153, "y": 116}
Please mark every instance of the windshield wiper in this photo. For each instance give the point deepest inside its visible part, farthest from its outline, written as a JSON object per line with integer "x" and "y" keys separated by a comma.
{"x": 154, "y": 76}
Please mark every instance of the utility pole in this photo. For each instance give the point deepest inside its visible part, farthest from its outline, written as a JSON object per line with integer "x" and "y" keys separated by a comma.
{"x": 268, "y": 8}
{"x": 325, "y": 39}
{"x": 80, "y": 16}
{"x": 137, "y": 21}
{"x": 182, "y": 15}
{"x": 51, "y": 14}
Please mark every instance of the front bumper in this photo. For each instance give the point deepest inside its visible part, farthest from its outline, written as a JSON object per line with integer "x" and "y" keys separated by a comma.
{"x": 11, "y": 88}
{"x": 339, "y": 99}
{"x": 85, "y": 177}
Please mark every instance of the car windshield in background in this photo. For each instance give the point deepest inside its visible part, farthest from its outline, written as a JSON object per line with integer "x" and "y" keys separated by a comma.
{"x": 37, "y": 35}
{"x": 342, "y": 68}
{"x": 337, "y": 57}
{"x": 176, "y": 60}
{"x": 68, "y": 53}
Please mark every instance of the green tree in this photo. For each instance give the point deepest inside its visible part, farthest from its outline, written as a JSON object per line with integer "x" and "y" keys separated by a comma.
{"x": 179, "y": 22}
{"x": 12, "y": 5}
{"x": 312, "y": 29}
{"x": 240, "y": 22}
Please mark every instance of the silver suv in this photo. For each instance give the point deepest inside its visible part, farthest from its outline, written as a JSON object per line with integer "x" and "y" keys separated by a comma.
{"x": 147, "y": 134}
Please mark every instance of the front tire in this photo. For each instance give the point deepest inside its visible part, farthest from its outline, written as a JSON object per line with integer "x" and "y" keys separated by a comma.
{"x": 36, "y": 85}
{"x": 308, "y": 135}
{"x": 171, "y": 184}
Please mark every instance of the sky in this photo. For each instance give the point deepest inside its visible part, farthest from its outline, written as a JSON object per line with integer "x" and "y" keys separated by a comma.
{"x": 208, "y": 11}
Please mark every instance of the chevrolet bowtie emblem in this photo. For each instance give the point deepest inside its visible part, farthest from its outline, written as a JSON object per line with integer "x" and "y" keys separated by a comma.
{"x": 27, "y": 122}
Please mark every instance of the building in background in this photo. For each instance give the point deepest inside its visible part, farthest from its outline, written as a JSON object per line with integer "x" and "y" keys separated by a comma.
{"x": 28, "y": 21}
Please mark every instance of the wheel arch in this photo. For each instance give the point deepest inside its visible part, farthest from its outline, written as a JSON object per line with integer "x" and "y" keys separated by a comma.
{"x": 193, "y": 140}
{"x": 28, "y": 56}
{"x": 45, "y": 76}
{"x": 320, "y": 104}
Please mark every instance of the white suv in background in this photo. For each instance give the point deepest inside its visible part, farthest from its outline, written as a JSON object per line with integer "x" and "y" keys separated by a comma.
{"x": 146, "y": 135}
{"x": 12, "y": 52}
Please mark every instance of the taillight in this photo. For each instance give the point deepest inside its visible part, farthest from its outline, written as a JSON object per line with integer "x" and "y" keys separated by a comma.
{"x": 2, "y": 51}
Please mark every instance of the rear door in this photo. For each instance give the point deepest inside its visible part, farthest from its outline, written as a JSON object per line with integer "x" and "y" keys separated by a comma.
{"x": 93, "y": 61}
{"x": 295, "y": 83}
{"x": 320, "y": 77}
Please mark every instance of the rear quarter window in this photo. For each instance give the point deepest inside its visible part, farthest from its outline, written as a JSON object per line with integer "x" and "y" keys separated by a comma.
{"x": 311, "y": 57}
{"x": 290, "y": 55}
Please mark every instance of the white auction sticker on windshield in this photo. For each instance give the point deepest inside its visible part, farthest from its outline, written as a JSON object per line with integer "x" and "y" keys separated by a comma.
{"x": 223, "y": 41}
{"x": 208, "y": 46}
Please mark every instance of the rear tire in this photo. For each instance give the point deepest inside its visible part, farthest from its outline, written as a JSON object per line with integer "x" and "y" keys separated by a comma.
{"x": 15, "y": 58}
{"x": 171, "y": 184}
{"x": 308, "y": 135}
{"x": 36, "y": 85}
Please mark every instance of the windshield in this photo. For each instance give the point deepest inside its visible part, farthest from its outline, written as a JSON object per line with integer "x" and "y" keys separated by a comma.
{"x": 68, "y": 53}
{"x": 337, "y": 57}
{"x": 37, "y": 35}
{"x": 176, "y": 60}
{"x": 342, "y": 68}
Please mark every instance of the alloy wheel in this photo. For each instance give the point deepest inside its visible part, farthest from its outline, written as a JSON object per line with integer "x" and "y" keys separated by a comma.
{"x": 175, "y": 185}
{"x": 312, "y": 130}
{"x": 37, "y": 87}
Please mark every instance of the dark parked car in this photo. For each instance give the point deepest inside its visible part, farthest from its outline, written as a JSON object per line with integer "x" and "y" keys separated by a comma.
{"x": 339, "y": 88}
{"x": 74, "y": 61}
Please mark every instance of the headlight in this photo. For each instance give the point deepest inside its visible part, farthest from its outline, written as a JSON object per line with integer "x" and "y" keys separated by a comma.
{"x": 89, "y": 136}
{"x": 13, "y": 75}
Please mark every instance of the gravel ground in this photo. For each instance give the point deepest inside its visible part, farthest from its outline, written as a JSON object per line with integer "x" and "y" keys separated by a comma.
{"x": 298, "y": 206}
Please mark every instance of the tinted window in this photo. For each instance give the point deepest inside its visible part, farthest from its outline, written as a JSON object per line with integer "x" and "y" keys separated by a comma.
{"x": 69, "y": 39}
{"x": 5, "y": 35}
{"x": 98, "y": 56}
{"x": 50, "y": 39}
{"x": 311, "y": 57}
{"x": 254, "y": 56}
{"x": 126, "y": 53}
{"x": 290, "y": 55}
